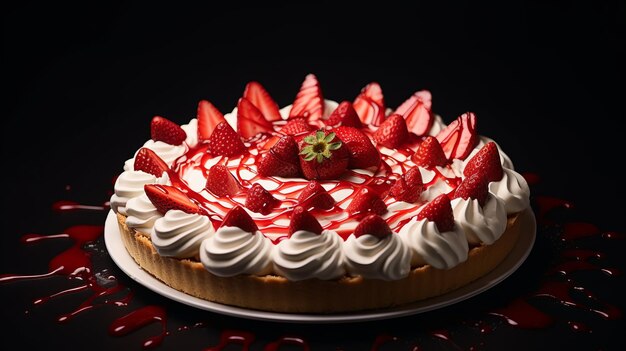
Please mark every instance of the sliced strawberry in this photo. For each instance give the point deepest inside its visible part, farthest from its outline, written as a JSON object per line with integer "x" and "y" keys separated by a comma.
{"x": 475, "y": 186}
{"x": 430, "y": 153}
{"x": 370, "y": 104}
{"x": 323, "y": 155}
{"x": 238, "y": 217}
{"x": 344, "y": 115}
{"x": 281, "y": 160}
{"x": 487, "y": 161}
{"x": 366, "y": 200}
{"x": 296, "y": 126}
{"x": 301, "y": 219}
{"x": 148, "y": 161}
{"x": 423, "y": 96}
{"x": 393, "y": 132}
{"x": 439, "y": 211}
{"x": 221, "y": 182}
{"x": 459, "y": 138}
{"x": 309, "y": 102}
{"x": 373, "y": 225}
{"x": 314, "y": 195}
{"x": 162, "y": 129}
{"x": 260, "y": 200}
{"x": 250, "y": 120}
{"x": 409, "y": 187}
{"x": 363, "y": 154}
{"x": 208, "y": 118}
{"x": 225, "y": 141}
{"x": 419, "y": 118}
{"x": 165, "y": 198}
{"x": 260, "y": 98}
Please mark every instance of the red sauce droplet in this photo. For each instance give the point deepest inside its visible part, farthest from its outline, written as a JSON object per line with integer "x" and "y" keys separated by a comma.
{"x": 521, "y": 314}
{"x": 237, "y": 337}
{"x": 380, "y": 340}
{"x": 578, "y": 230}
{"x": 138, "y": 319}
{"x": 287, "y": 340}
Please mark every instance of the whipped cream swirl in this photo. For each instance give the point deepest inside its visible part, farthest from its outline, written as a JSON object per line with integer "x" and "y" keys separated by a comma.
{"x": 167, "y": 152}
{"x": 375, "y": 258}
{"x": 442, "y": 250}
{"x": 129, "y": 184}
{"x": 481, "y": 224}
{"x": 513, "y": 190}
{"x": 191, "y": 129}
{"x": 308, "y": 255}
{"x": 179, "y": 234}
{"x": 141, "y": 214}
{"x": 233, "y": 251}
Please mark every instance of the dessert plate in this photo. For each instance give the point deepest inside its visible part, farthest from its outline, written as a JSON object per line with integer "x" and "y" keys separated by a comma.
{"x": 514, "y": 260}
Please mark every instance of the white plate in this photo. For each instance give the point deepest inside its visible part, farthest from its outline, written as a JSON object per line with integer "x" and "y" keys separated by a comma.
{"x": 120, "y": 256}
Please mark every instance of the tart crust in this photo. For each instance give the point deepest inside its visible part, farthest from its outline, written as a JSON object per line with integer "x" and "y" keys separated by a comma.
{"x": 276, "y": 293}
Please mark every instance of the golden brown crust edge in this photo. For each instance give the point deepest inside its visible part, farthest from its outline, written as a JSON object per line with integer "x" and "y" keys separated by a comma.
{"x": 277, "y": 294}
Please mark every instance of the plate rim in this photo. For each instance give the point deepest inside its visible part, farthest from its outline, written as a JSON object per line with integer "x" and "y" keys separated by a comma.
{"x": 120, "y": 256}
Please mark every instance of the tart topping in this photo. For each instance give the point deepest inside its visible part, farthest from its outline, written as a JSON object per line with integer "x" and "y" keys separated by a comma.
{"x": 419, "y": 118}
{"x": 423, "y": 96}
{"x": 162, "y": 129}
{"x": 281, "y": 160}
{"x": 148, "y": 161}
{"x": 301, "y": 219}
{"x": 323, "y": 156}
{"x": 366, "y": 200}
{"x": 374, "y": 225}
{"x": 250, "y": 120}
{"x": 459, "y": 138}
{"x": 238, "y": 217}
{"x": 296, "y": 126}
{"x": 487, "y": 161}
{"x": 392, "y": 132}
{"x": 220, "y": 182}
{"x": 439, "y": 211}
{"x": 165, "y": 198}
{"x": 314, "y": 195}
{"x": 363, "y": 154}
{"x": 370, "y": 104}
{"x": 224, "y": 141}
{"x": 430, "y": 154}
{"x": 260, "y": 200}
{"x": 409, "y": 187}
{"x": 473, "y": 187}
{"x": 208, "y": 118}
{"x": 260, "y": 98}
{"x": 309, "y": 102}
{"x": 344, "y": 115}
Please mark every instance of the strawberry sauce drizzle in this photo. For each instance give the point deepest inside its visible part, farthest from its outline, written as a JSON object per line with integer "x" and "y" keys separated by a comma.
{"x": 138, "y": 319}
{"x": 229, "y": 337}
{"x": 275, "y": 225}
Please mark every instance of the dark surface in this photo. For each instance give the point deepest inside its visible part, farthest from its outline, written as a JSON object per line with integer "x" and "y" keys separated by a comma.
{"x": 81, "y": 85}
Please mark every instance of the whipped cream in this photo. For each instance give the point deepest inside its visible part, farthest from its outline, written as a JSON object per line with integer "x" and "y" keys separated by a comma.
{"x": 437, "y": 126}
{"x": 481, "y": 224}
{"x": 168, "y": 153}
{"x": 513, "y": 190}
{"x": 308, "y": 255}
{"x": 179, "y": 234}
{"x": 442, "y": 250}
{"x": 232, "y": 251}
{"x": 129, "y": 184}
{"x": 375, "y": 258}
{"x": 191, "y": 129}
{"x": 141, "y": 214}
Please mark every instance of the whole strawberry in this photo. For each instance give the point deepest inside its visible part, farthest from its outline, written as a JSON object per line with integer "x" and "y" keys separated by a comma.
{"x": 323, "y": 156}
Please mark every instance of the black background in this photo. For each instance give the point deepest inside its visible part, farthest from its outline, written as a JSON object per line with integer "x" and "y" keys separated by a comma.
{"x": 81, "y": 84}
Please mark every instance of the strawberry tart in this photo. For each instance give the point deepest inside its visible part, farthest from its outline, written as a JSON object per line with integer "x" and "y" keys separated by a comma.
{"x": 321, "y": 206}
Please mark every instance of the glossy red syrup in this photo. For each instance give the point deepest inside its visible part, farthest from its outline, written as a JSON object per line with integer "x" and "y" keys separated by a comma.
{"x": 138, "y": 319}
{"x": 287, "y": 340}
{"x": 275, "y": 225}
{"x": 233, "y": 337}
